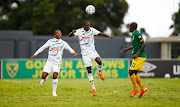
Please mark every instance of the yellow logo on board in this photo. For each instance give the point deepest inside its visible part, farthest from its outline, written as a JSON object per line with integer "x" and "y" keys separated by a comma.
{"x": 12, "y": 69}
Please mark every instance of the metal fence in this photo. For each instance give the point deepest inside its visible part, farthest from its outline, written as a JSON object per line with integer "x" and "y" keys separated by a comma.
{"x": 23, "y": 44}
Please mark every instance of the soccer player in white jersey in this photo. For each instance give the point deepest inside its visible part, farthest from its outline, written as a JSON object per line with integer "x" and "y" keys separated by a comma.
{"x": 56, "y": 47}
{"x": 86, "y": 41}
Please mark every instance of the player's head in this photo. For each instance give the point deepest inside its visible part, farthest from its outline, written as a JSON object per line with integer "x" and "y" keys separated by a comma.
{"x": 133, "y": 26}
{"x": 57, "y": 34}
{"x": 86, "y": 25}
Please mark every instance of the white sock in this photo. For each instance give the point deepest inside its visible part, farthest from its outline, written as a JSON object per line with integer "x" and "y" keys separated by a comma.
{"x": 55, "y": 83}
{"x": 90, "y": 76}
{"x": 99, "y": 67}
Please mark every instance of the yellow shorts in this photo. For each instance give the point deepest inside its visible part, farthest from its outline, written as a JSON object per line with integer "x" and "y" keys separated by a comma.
{"x": 137, "y": 64}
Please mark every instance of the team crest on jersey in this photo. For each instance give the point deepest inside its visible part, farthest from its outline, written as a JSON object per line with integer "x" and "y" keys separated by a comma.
{"x": 139, "y": 36}
{"x": 12, "y": 69}
{"x": 132, "y": 38}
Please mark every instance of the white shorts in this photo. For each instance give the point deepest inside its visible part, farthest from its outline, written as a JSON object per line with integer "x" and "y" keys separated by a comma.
{"x": 51, "y": 67}
{"x": 87, "y": 59}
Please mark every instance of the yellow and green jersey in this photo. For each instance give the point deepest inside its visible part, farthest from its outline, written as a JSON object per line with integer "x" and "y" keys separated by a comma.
{"x": 136, "y": 39}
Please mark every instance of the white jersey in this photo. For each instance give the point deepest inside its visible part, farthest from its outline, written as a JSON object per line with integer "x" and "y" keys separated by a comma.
{"x": 86, "y": 40}
{"x": 56, "y": 48}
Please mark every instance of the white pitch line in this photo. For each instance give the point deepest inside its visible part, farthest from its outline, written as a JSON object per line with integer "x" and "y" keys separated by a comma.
{"x": 13, "y": 81}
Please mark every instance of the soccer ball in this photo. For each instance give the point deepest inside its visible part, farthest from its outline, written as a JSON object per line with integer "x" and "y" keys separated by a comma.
{"x": 90, "y": 9}
{"x": 167, "y": 75}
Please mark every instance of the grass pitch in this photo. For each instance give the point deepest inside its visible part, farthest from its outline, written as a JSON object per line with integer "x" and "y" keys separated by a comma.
{"x": 78, "y": 92}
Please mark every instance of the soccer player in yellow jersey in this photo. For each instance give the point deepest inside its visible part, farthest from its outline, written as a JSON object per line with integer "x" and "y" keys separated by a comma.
{"x": 139, "y": 57}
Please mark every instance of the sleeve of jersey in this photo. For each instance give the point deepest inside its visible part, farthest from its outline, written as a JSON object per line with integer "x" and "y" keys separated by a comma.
{"x": 67, "y": 47}
{"x": 140, "y": 38}
{"x": 95, "y": 31}
{"x": 46, "y": 45}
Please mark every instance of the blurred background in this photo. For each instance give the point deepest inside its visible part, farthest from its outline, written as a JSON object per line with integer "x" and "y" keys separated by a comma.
{"x": 25, "y": 25}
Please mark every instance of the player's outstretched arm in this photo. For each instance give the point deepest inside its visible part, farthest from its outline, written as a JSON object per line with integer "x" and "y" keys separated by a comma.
{"x": 142, "y": 47}
{"x": 71, "y": 34}
{"x": 67, "y": 47}
{"x": 75, "y": 54}
{"x": 33, "y": 56}
{"x": 46, "y": 45}
{"x": 105, "y": 35}
{"x": 124, "y": 50}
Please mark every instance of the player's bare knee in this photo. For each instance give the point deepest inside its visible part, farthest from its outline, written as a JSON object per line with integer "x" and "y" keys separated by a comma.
{"x": 135, "y": 72}
{"x": 98, "y": 60}
{"x": 44, "y": 75}
{"x": 55, "y": 74}
{"x": 89, "y": 70}
{"x": 130, "y": 72}
{"x": 100, "y": 63}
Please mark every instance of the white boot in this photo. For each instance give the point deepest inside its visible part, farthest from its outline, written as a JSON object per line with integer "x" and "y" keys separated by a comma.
{"x": 54, "y": 94}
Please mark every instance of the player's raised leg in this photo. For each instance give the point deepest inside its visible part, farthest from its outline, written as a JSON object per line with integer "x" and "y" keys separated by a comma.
{"x": 138, "y": 80}
{"x": 55, "y": 83}
{"x": 44, "y": 78}
{"x": 143, "y": 89}
{"x": 133, "y": 80}
{"x": 90, "y": 76}
{"x": 46, "y": 71}
{"x": 99, "y": 66}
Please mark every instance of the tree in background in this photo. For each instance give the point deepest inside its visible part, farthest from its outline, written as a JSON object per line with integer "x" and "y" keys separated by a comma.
{"x": 143, "y": 32}
{"x": 17, "y": 17}
{"x": 44, "y": 16}
{"x": 175, "y": 47}
{"x": 176, "y": 25}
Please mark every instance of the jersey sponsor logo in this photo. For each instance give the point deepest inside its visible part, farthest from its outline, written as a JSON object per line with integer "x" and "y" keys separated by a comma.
{"x": 12, "y": 69}
{"x": 54, "y": 49}
{"x": 86, "y": 37}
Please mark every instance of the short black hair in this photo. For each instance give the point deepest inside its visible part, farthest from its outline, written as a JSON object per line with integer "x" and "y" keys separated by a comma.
{"x": 56, "y": 31}
{"x": 84, "y": 22}
{"x": 134, "y": 25}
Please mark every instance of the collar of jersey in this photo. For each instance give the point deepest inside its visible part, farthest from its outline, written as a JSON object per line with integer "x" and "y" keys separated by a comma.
{"x": 134, "y": 31}
{"x": 88, "y": 30}
{"x": 57, "y": 39}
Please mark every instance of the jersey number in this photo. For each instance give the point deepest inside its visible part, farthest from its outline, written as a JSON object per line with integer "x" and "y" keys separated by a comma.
{"x": 133, "y": 65}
